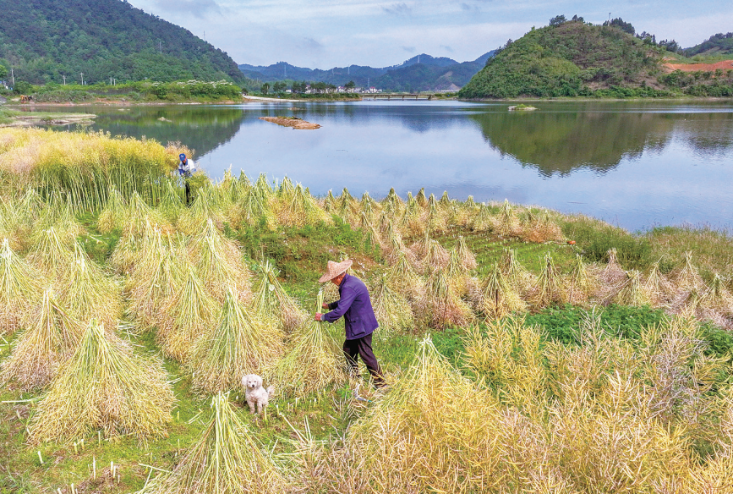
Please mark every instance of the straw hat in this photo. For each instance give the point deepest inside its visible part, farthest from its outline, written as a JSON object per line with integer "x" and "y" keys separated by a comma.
{"x": 333, "y": 269}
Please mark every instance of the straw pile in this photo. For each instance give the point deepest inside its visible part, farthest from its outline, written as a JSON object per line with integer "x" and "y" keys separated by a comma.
{"x": 50, "y": 254}
{"x": 19, "y": 289}
{"x": 271, "y": 302}
{"x": 186, "y": 316}
{"x": 392, "y": 310}
{"x": 313, "y": 360}
{"x": 88, "y": 293}
{"x": 239, "y": 345}
{"x": 443, "y": 307}
{"x": 38, "y": 352}
{"x": 296, "y": 207}
{"x": 205, "y": 209}
{"x": 227, "y": 459}
{"x": 219, "y": 264}
{"x": 496, "y": 298}
{"x": 103, "y": 386}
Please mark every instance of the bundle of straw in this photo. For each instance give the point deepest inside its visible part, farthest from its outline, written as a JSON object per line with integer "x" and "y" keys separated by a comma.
{"x": 204, "y": 210}
{"x": 443, "y": 307}
{"x": 507, "y": 223}
{"x": 430, "y": 253}
{"x": 138, "y": 215}
{"x": 20, "y": 289}
{"x": 103, "y": 386}
{"x": 313, "y": 361}
{"x": 630, "y": 292}
{"x": 465, "y": 256}
{"x": 50, "y": 254}
{"x": 481, "y": 221}
{"x": 540, "y": 228}
{"x": 254, "y": 206}
{"x": 296, "y": 207}
{"x": 581, "y": 283}
{"x": 38, "y": 352}
{"x": 392, "y": 204}
{"x": 517, "y": 275}
{"x": 271, "y": 302}
{"x": 89, "y": 293}
{"x": 239, "y": 345}
{"x": 613, "y": 273}
{"x": 227, "y": 459}
{"x": 219, "y": 263}
{"x": 329, "y": 204}
{"x": 687, "y": 277}
{"x": 403, "y": 279}
{"x": 658, "y": 286}
{"x": 156, "y": 277}
{"x": 113, "y": 214}
{"x": 496, "y": 298}
{"x": 171, "y": 205}
{"x": 391, "y": 309}
{"x": 186, "y": 316}
{"x": 550, "y": 289}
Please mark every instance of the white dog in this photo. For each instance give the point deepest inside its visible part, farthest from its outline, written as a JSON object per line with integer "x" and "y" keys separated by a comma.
{"x": 255, "y": 393}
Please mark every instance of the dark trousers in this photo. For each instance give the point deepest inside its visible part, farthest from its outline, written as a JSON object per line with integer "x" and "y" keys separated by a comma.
{"x": 363, "y": 348}
{"x": 188, "y": 192}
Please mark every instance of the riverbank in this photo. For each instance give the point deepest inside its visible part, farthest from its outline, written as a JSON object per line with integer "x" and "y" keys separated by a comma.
{"x": 24, "y": 119}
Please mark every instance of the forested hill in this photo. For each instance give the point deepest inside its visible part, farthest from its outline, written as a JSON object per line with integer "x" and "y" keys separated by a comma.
{"x": 44, "y": 40}
{"x": 567, "y": 59}
{"x": 719, "y": 44}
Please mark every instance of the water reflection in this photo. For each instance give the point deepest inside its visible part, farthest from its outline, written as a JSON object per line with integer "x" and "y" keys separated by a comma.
{"x": 636, "y": 164}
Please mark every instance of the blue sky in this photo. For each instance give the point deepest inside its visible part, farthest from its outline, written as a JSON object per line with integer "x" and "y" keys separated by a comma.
{"x": 328, "y": 33}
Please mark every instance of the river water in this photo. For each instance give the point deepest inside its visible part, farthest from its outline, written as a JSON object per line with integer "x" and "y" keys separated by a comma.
{"x": 636, "y": 164}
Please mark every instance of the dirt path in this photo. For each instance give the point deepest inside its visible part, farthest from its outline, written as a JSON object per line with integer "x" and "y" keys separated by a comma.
{"x": 293, "y": 122}
{"x": 703, "y": 67}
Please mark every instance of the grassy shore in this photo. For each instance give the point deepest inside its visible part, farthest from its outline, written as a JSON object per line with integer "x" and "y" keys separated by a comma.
{"x": 526, "y": 350}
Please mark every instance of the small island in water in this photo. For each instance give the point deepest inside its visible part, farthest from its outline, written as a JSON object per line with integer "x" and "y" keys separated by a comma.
{"x": 294, "y": 122}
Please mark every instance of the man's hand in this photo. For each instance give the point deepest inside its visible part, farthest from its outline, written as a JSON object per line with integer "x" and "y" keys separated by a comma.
{"x": 319, "y": 316}
{"x": 324, "y": 305}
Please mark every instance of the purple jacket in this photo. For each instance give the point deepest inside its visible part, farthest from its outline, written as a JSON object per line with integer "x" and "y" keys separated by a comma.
{"x": 356, "y": 308}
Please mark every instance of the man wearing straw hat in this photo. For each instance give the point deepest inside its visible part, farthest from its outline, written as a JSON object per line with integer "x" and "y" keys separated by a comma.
{"x": 359, "y": 318}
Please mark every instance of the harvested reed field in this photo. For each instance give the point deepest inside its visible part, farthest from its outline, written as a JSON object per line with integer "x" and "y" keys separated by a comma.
{"x": 516, "y": 362}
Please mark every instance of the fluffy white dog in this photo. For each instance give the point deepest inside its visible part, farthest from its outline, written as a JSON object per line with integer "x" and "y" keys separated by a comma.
{"x": 255, "y": 393}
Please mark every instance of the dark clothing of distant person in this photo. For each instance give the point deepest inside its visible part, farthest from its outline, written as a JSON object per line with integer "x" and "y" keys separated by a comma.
{"x": 186, "y": 169}
{"x": 360, "y": 321}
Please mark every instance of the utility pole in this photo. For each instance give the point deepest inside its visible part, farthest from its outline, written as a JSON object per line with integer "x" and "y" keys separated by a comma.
{"x": 82, "y": 78}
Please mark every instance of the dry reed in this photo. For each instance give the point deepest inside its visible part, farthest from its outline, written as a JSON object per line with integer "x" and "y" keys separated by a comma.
{"x": 104, "y": 386}
{"x": 239, "y": 345}
{"x": 227, "y": 459}
{"x": 38, "y": 352}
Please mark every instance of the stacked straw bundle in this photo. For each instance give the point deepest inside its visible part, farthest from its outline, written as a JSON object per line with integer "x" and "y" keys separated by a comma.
{"x": 442, "y": 306}
{"x": 19, "y": 289}
{"x": 103, "y": 386}
{"x": 219, "y": 263}
{"x": 40, "y": 350}
{"x": 205, "y": 209}
{"x": 226, "y": 459}
{"x": 240, "y": 345}
{"x": 294, "y": 206}
{"x": 50, "y": 254}
{"x": 89, "y": 293}
{"x": 392, "y": 310}
{"x": 271, "y": 302}
{"x": 187, "y": 315}
{"x": 312, "y": 362}
{"x": 496, "y": 297}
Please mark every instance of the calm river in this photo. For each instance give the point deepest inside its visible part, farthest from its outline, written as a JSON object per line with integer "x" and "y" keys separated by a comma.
{"x": 636, "y": 164}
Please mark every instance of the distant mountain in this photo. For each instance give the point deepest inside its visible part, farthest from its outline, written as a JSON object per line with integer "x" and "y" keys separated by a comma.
{"x": 420, "y": 73}
{"x": 719, "y": 44}
{"x": 45, "y": 40}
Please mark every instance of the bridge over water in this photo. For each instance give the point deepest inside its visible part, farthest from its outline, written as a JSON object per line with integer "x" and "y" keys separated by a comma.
{"x": 397, "y": 96}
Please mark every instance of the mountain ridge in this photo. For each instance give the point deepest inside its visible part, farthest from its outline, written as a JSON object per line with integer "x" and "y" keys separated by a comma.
{"x": 421, "y": 72}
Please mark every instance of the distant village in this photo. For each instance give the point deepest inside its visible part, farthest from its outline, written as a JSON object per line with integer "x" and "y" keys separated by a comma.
{"x": 317, "y": 88}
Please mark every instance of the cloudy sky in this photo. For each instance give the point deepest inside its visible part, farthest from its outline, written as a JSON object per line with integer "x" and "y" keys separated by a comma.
{"x": 328, "y": 33}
